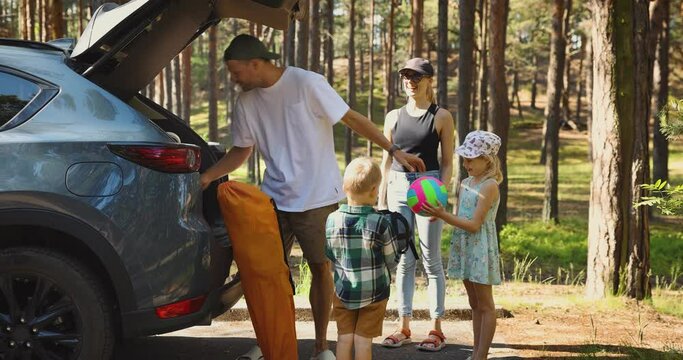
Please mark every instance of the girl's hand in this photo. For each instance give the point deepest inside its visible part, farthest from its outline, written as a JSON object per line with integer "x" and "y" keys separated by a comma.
{"x": 435, "y": 212}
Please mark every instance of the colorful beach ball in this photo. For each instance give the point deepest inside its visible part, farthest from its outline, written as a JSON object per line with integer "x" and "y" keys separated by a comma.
{"x": 426, "y": 189}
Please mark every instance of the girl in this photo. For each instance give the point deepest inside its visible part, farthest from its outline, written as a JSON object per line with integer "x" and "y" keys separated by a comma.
{"x": 474, "y": 256}
{"x": 419, "y": 128}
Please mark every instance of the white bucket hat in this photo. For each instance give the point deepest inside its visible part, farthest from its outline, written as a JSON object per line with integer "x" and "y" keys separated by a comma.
{"x": 478, "y": 143}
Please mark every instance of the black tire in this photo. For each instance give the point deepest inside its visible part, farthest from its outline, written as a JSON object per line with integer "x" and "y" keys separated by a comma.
{"x": 53, "y": 307}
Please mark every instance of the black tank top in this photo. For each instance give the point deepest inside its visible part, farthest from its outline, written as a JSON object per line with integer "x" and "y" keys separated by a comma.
{"x": 417, "y": 135}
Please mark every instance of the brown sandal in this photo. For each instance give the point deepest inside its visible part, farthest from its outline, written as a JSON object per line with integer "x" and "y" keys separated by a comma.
{"x": 392, "y": 341}
{"x": 437, "y": 344}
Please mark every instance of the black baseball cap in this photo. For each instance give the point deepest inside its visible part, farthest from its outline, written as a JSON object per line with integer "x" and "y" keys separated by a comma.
{"x": 420, "y": 66}
{"x": 247, "y": 47}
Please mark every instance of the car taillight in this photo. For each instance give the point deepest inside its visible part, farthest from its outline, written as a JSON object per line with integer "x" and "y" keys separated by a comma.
{"x": 180, "y": 308}
{"x": 170, "y": 158}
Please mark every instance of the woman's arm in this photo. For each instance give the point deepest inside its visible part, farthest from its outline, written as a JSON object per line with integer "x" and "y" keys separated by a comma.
{"x": 385, "y": 166}
{"x": 488, "y": 194}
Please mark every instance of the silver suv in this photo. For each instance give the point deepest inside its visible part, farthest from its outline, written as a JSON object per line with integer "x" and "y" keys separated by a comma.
{"x": 104, "y": 229}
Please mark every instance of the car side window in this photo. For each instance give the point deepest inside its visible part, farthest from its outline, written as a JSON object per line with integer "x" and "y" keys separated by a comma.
{"x": 15, "y": 94}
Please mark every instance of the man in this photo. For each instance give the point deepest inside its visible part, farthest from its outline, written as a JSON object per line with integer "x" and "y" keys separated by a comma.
{"x": 289, "y": 114}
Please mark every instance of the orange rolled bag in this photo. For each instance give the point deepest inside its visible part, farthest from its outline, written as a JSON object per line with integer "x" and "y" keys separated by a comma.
{"x": 252, "y": 224}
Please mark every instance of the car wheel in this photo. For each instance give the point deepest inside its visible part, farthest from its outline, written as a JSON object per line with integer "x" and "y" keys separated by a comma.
{"x": 51, "y": 307}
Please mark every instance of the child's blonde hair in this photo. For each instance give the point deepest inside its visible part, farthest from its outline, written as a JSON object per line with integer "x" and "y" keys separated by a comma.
{"x": 493, "y": 169}
{"x": 361, "y": 175}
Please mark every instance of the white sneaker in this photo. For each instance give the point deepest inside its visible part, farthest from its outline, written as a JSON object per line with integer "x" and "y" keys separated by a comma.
{"x": 253, "y": 354}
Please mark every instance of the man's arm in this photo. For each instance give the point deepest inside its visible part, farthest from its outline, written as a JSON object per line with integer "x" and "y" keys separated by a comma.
{"x": 235, "y": 157}
{"x": 364, "y": 127}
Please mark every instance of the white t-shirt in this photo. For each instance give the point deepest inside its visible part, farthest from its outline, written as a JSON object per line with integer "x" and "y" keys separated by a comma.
{"x": 291, "y": 125}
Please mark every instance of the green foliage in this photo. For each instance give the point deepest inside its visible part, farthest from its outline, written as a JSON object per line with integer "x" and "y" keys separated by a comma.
{"x": 556, "y": 253}
{"x": 671, "y": 118}
{"x": 668, "y": 199}
{"x": 556, "y": 245}
{"x": 666, "y": 251}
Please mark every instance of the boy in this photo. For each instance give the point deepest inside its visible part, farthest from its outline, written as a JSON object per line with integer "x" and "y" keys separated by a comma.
{"x": 361, "y": 243}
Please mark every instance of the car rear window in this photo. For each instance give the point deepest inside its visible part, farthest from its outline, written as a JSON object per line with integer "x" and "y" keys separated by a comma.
{"x": 15, "y": 94}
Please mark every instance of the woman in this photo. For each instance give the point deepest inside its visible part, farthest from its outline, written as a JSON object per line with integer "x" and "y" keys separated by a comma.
{"x": 421, "y": 128}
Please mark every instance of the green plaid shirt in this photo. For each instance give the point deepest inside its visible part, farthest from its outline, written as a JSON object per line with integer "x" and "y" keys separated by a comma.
{"x": 361, "y": 244}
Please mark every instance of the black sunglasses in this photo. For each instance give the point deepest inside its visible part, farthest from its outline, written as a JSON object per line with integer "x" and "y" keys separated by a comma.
{"x": 412, "y": 76}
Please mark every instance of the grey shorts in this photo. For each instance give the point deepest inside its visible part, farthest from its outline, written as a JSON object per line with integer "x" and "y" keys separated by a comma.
{"x": 308, "y": 227}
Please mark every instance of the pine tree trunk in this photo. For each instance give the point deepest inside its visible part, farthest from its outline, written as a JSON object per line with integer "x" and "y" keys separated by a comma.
{"x": 32, "y": 17}
{"x": 499, "y": 107}
{"x": 23, "y": 19}
{"x": 618, "y": 234}
{"x": 442, "y": 53}
{"x": 515, "y": 92}
{"x": 466, "y": 10}
{"x": 579, "y": 81}
{"x": 80, "y": 16}
{"x": 55, "y": 29}
{"x": 589, "y": 95}
{"x": 329, "y": 42}
{"x": 159, "y": 89}
{"x": 371, "y": 70}
{"x": 151, "y": 90}
{"x": 660, "y": 30}
{"x": 168, "y": 81}
{"x": 351, "y": 84}
{"x": 554, "y": 94}
{"x": 416, "y": 28}
{"x": 484, "y": 68}
{"x": 638, "y": 263}
{"x": 534, "y": 81}
{"x": 474, "y": 113}
{"x": 361, "y": 59}
{"x": 213, "y": 85}
{"x": 566, "y": 111}
{"x": 41, "y": 20}
{"x": 177, "y": 91}
{"x": 187, "y": 83}
{"x": 302, "y": 43}
{"x": 291, "y": 43}
{"x": 314, "y": 40}
{"x": 389, "y": 60}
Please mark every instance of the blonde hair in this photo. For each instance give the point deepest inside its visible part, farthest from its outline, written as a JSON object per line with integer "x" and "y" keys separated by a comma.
{"x": 361, "y": 175}
{"x": 493, "y": 169}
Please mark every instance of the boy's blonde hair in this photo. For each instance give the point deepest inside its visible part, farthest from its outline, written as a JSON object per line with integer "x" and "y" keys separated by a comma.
{"x": 493, "y": 169}
{"x": 361, "y": 175}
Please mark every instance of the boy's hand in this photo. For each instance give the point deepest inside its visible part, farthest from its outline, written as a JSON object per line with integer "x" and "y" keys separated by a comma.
{"x": 435, "y": 212}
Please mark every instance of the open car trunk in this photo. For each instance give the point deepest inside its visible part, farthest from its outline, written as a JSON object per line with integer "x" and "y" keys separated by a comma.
{"x": 125, "y": 46}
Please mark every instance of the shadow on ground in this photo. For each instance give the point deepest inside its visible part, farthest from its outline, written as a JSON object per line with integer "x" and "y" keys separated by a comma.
{"x": 215, "y": 348}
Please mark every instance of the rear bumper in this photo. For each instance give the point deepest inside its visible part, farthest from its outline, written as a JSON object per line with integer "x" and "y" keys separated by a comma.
{"x": 145, "y": 322}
